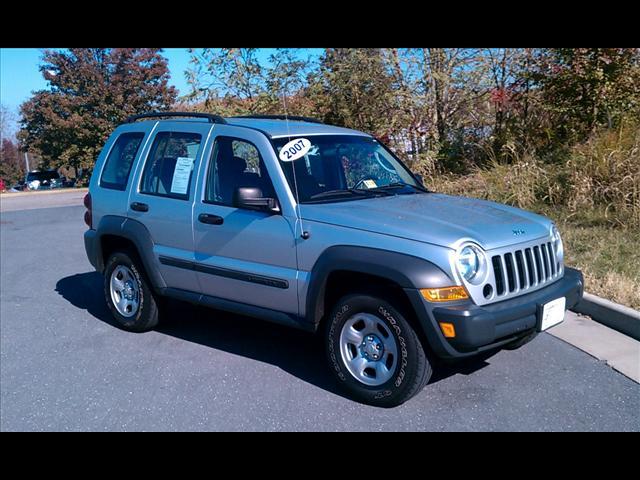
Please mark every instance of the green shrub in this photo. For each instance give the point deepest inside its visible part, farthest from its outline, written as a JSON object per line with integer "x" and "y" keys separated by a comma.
{"x": 602, "y": 173}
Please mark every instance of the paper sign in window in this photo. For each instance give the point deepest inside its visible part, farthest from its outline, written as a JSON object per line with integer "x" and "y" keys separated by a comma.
{"x": 181, "y": 175}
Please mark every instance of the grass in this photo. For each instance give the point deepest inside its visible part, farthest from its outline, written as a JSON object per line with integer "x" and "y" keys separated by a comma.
{"x": 609, "y": 257}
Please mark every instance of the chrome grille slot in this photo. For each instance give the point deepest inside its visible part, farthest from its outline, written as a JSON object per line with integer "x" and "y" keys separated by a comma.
{"x": 531, "y": 268}
{"x": 497, "y": 268}
{"x": 522, "y": 277}
{"x": 545, "y": 261}
{"x": 511, "y": 278}
{"x": 537, "y": 258}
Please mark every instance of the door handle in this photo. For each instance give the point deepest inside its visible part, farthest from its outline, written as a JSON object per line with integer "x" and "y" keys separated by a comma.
{"x": 210, "y": 219}
{"x": 139, "y": 207}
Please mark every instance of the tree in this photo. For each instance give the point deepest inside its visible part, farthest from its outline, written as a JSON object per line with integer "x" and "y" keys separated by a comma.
{"x": 233, "y": 81}
{"x": 355, "y": 89}
{"x": 11, "y": 166}
{"x": 90, "y": 92}
{"x": 226, "y": 73}
{"x": 585, "y": 88}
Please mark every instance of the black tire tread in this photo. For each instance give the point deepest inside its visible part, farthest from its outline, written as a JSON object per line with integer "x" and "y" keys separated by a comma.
{"x": 149, "y": 318}
{"x": 423, "y": 368}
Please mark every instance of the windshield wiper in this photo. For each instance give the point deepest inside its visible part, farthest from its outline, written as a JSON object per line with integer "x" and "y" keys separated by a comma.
{"x": 402, "y": 185}
{"x": 348, "y": 192}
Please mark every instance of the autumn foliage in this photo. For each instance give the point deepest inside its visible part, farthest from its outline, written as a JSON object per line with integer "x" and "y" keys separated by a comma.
{"x": 91, "y": 90}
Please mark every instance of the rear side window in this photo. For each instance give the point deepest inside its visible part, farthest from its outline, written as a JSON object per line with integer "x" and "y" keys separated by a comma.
{"x": 170, "y": 164}
{"x": 115, "y": 173}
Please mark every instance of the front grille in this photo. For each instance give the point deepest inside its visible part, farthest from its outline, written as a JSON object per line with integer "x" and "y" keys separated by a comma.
{"x": 525, "y": 269}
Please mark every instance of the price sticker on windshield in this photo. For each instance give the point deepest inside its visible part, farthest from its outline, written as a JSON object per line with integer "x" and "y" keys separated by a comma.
{"x": 295, "y": 149}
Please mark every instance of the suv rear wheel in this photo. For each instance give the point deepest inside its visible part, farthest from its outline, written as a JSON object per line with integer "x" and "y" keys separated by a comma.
{"x": 374, "y": 352}
{"x": 128, "y": 293}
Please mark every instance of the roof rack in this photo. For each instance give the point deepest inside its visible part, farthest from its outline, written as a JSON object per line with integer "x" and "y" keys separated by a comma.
{"x": 281, "y": 117}
{"x": 210, "y": 117}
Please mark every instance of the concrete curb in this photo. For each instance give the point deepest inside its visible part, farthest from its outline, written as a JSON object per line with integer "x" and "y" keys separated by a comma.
{"x": 623, "y": 319}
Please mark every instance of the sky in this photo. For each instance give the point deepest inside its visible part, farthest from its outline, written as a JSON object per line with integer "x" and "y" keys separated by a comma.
{"x": 19, "y": 74}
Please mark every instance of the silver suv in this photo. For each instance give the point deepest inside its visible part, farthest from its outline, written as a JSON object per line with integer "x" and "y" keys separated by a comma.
{"x": 319, "y": 228}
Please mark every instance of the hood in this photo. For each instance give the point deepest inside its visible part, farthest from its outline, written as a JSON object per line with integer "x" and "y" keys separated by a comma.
{"x": 434, "y": 218}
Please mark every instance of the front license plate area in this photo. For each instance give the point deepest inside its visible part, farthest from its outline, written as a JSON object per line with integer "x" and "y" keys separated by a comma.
{"x": 552, "y": 313}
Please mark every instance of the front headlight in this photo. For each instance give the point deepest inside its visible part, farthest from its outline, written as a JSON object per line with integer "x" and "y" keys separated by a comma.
{"x": 557, "y": 243}
{"x": 471, "y": 263}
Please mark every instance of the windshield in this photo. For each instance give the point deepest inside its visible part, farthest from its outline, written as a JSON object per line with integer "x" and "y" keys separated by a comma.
{"x": 340, "y": 167}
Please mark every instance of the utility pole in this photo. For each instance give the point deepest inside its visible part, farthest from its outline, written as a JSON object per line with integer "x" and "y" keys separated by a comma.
{"x": 26, "y": 161}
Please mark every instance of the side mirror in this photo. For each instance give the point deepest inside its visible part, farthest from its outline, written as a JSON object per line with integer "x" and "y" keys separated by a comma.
{"x": 420, "y": 179}
{"x": 252, "y": 199}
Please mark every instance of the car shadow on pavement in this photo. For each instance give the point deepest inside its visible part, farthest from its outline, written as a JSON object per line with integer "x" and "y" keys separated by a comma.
{"x": 294, "y": 351}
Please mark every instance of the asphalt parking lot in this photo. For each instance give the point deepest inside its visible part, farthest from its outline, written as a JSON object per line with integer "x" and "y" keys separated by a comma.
{"x": 64, "y": 365}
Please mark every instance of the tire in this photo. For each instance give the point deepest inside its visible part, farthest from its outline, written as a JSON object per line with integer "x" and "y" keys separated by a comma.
{"x": 139, "y": 309}
{"x": 385, "y": 381}
{"x": 520, "y": 342}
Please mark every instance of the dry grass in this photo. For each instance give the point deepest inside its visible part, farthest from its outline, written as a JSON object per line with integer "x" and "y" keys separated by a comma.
{"x": 608, "y": 257}
{"x": 605, "y": 171}
{"x": 602, "y": 174}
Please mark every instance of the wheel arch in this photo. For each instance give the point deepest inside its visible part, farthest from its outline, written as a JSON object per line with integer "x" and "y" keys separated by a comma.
{"x": 348, "y": 264}
{"x": 115, "y": 232}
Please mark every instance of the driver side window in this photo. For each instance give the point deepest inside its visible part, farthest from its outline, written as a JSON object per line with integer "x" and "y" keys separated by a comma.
{"x": 235, "y": 163}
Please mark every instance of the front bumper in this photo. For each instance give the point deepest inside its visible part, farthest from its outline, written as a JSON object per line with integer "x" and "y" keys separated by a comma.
{"x": 480, "y": 328}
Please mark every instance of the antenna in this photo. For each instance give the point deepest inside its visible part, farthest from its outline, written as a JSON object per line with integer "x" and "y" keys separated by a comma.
{"x": 305, "y": 235}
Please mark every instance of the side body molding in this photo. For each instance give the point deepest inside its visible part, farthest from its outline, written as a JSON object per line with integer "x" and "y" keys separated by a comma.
{"x": 407, "y": 271}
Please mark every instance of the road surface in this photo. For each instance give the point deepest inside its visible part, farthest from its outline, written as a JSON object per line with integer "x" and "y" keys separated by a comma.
{"x": 64, "y": 365}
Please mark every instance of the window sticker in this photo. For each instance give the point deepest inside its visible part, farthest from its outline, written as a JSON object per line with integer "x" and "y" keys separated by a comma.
{"x": 370, "y": 183}
{"x": 181, "y": 174}
{"x": 294, "y": 150}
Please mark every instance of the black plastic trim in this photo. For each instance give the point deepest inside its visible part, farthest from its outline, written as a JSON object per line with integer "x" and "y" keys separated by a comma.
{"x": 404, "y": 270}
{"x": 239, "y": 308}
{"x": 294, "y": 118}
{"x": 480, "y": 328}
{"x": 225, "y": 272}
{"x": 128, "y": 229}
{"x": 211, "y": 118}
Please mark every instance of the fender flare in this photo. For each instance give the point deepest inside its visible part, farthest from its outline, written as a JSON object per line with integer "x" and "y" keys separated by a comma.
{"x": 137, "y": 234}
{"x": 407, "y": 271}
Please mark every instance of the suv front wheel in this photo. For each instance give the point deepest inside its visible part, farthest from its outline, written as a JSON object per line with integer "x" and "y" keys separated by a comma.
{"x": 374, "y": 352}
{"x": 128, "y": 293}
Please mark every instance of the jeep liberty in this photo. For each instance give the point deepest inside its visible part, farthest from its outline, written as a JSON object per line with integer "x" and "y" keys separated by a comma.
{"x": 320, "y": 228}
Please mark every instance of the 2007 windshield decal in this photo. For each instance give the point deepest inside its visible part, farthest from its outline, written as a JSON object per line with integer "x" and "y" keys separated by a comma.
{"x": 294, "y": 149}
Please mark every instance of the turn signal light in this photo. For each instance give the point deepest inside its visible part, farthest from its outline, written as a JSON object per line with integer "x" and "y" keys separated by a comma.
{"x": 448, "y": 329}
{"x": 446, "y": 294}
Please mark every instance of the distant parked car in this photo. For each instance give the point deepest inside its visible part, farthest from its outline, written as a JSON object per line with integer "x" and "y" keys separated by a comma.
{"x": 3, "y": 186}
{"x": 49, "y": 179}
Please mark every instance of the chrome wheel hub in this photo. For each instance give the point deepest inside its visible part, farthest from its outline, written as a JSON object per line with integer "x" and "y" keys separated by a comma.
{"x": 124, "y": 290}
{"x": 372, "y": 347}
{"x": 368, "y": 349}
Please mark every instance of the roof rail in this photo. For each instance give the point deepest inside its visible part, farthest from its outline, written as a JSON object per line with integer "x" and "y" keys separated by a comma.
{"x": 281, "y": 117}
{"x": 210, "y": 117}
